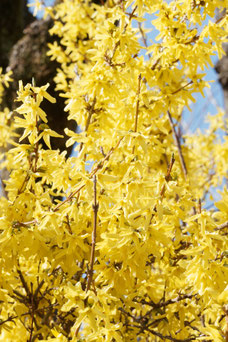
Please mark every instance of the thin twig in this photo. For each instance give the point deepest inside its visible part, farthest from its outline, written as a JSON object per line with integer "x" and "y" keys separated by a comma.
{"x": 143, "y": 37}
{"x": 170, "y": 338}
{"x": 221, "y": 18}
{"x": 137, "y": 104}
{"x": 12, "y": 318}
{"x": 162, "y": 304}
{"x": 131, "y": 15}
{"x": 4, "y": 193}
{"x": 68, "y": 198}
{"x": 92, "y": 173}
{"x": 101, "y": 163}
{"x": 199, "y": 206}
{"x": 91, "y": 111}
{"x": 24, "y": 283}
{"x": 225, "y": 308}
{"x": 95, "y": 207}
{"x": 178, "y": 144}
{"x": 32, "y": 314}
{"x": 167, "y": 178}
{"x": 143, "y": 322}
{"x": 19, "y": 191}
{"x": 36, "y": 150}
{"x": 193, "y": 40}
{"x": 222, "y": 226}
{"x": 155, "y": 64}
{"x": 181, "y": 88}
{"x": 18, "y": 224}
{"x": 137, "y": 108}
{"x": 68, "y": 224}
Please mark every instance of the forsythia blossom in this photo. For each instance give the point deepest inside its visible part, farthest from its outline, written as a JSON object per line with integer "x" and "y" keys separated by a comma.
{"x": 112, "y": 244}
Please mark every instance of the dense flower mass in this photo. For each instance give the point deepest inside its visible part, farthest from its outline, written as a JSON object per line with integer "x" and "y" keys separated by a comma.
{"x": 113, "y": 244}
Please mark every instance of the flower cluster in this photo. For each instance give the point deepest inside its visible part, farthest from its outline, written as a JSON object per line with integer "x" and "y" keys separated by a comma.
{"x": 113, "y": 244}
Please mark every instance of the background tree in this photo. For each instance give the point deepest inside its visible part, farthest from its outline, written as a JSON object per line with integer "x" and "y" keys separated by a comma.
{"x": 222, "y": 69}
{"x": 23, "y": 50}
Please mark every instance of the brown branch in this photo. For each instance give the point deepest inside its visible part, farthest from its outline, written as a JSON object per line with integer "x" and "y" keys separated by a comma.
{"x": 162, "y": 304}
{"x": 108, "y": 59}
{"x": 155, "y": 64}
{"x": 38, "y": 289}
{"x": 144, "y": 324}
{"x": 95, "y": 207}
{"x": 4, "y": 193}
{"x": 32, "y": 315}
{"x": 36, "y": 150}
{"x": 24, "y": 283}
{"x": 68, "y": 198}
{"x": 143, "y": 37}
{"x": 31, "y": 300}
{"x": 170, "y": 338}
{"x": 178, "y": 144}
{"x": 12, "y": 318}
{"x": 19, "y": 297}
{"x": 222, "y": 226}
{"x": 137, "y": 108}
{"x": 68, "y": 224}
{"x": 102, "y": 151}
{"x": 193, "y": 40}
{"x": 131, "y": 15}
{"x": 225, "y": 309}
{"x": 19, "y": 191}
{"x": 18, "y": 224}
{"x": 184, "y": 86}
{"x": 92, "y": 173}
{"x": 91, "y": 111}
{"x": 221, "y": 18}
{"x": 101, "y": 163}
{"x": 199, "y": 206}
{"x": 137, "y": 104}
{"x": 167, "y": 178}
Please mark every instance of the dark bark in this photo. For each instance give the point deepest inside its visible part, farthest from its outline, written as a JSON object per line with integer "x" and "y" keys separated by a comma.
{"x": 24, "y": 51}
{"x": 222, "y": 69}
{"x": 28, "y": 60}
{"x": 14, "y": 18}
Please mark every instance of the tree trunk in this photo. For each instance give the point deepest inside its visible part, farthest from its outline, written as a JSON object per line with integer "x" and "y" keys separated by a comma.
{"x": 222, "y": 69}
{"x": 14, "y": 18}
{"x": 23, "y": 49}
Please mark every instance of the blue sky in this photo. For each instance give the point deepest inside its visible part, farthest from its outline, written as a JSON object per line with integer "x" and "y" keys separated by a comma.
{"x": 196, "y": 119}
{"x": 203, "y": 105}
{"x": 47, "y": 3}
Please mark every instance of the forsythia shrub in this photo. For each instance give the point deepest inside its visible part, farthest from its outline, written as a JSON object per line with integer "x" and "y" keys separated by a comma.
{"x": 128, "y": 254}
